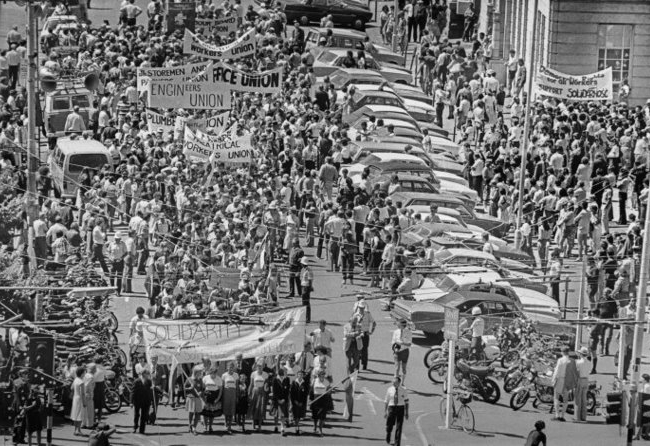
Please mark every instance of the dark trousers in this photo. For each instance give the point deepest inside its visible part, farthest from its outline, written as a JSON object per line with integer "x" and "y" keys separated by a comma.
{"x": 306, "y": 296}
{"x": 334, "y": 254}
{"x": 627, "y": 358}
{"x": 128, "y": 275}
{"x": 140, "y": 416}
{"x": 142, "y": 260}
{"x": 14, "y": 71}
{"x": 294, "y": 283}
{"x": 395, "y": 418}
{"x": 117, "y": 270}
{"x": 322, "y": 239}
{"x": 555, "y": 290}
{"x": 364, "y": 350}
{"x": 352, "y": 354}
{"x": 347, "y": 258}
{"x": 412, "y": 29}
{"x": 98, "y": 254}
{"x": 98, "y": 399}
{"x": 40, "y": 250}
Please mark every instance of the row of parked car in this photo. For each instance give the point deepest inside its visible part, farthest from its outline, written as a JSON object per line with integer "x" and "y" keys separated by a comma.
{"x": 502, "y": 284}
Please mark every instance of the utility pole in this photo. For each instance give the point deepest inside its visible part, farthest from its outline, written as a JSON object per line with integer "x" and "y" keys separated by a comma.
{"x": 524, "y": 143}
{"x": 32, "y": 143}
{"x": 637, "y": 345}
{"x": 395, "y": 9}
{"x": 581, "y": 301}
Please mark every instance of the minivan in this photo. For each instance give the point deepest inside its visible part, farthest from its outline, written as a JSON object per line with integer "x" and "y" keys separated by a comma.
{"x": 70, "y": 157}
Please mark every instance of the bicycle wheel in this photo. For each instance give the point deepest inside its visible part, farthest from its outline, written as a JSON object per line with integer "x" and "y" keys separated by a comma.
{"x": 438, "y": 373}
{"x": 509, "y": 359}
{"x": 112, "y": 401}
{"x": 465, "y": 418}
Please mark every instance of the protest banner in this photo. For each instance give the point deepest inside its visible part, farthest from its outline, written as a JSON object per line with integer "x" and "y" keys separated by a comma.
{"x": 229, "y": 148}
{"x": 157, "y": 121}
{"x": 187, "y": 341}
{"x": 211, "y": 124}
{"x": 194, "y": 147}
{"x": 180, "y": 16}
{"x": 184, "y": 72}
{"x": 176, "y": 94}
{"x": 589, "y": 87}
{"x": 242, "y": 47}
{"x": 237, "y": 80}
{"x": 223, "y": 26}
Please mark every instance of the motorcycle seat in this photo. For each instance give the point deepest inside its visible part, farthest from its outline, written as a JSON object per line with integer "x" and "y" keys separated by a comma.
{"x": 480, "y": 370}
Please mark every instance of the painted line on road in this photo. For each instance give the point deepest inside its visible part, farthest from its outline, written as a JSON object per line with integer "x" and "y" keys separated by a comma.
{"x": 423, "y": 437}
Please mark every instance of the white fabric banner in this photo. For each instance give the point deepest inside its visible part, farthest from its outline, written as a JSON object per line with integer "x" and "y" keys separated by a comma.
{"x": 227, "y": 148}
{"x": 186, "y": 72}
{"x": 177, "y": 93}
{"x": 212, "y": 124}
{"x": 223, "y": 26}
{"x": 187, "y": 341}
{"x": 242, "y": 47}
{"x": 589, "y": 87}
{"x": 157, "y": 121}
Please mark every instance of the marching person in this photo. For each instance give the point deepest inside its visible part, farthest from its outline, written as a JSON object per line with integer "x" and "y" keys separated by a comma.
{"x": 396, "y": 410}
{"x": 353, "y": 344}
{"x": 367, "y": 325}
{"x": 321, "y": 400}
{"x": 477, "y": 329}
{"x": 307, "y": 281}
{"x": 117, "y": 252}
{"x": 564, "y": 378}
{"x": 281, "y": 394}
{"x": 322, "y": 337}
{"x": 583, "y": 364}
{"x": 401, "y": 343}
{"x": 299, "y": 393}
{"x": 141, "y": 399}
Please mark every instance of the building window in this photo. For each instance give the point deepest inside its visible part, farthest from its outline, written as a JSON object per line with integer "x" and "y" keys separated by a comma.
{"x": 614, "y": 50}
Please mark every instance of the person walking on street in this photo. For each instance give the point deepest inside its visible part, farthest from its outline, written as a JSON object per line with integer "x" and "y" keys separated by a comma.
{"x": 583, "y": 364}
{"x": 117, "y": 252}
{"x": 322, "y": 337}
{"x": 353, "y": 344}
{"x": 321, "y": 400}
{"x": 306, "y": 282}
{"x": 141, "y": 399}
{"x": 367, "y": 324}
{"x": 564, "y": 378}
{"x": 295, "y": 256}
{"x": 402, "y": 340}
{"x": 396, "y": 410}
{"x": 299, "y": 392}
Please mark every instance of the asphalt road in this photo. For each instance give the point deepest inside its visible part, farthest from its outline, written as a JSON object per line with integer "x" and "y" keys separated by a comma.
{"x": 495, "y": 424}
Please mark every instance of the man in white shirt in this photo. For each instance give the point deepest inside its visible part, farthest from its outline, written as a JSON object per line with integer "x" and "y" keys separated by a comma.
{"x": 477, "y": 329}
{"x": 401, "y": 344}
{"x": 322, "y": 337}
{"x": 367, "y": 325}
{"x": 583, "y": 365}
{"x": 396, "y": 409}
{"x": 74, "y": 123}
{"x": 99, "y": 240}
{"x": 559, "y": 383}
{"x": 117, "y": 252}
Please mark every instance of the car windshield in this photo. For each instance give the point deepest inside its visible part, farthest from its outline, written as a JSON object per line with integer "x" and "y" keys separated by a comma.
{"x": 443, "y": 282}
{"x": 327, "y": 57}
{"x": 90, "y": 160}
{"x": 371, "y": 64}
{"x": 370, "y": 159}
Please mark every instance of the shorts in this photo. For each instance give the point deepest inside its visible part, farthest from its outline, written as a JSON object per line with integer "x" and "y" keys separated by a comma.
{"x": 402, "y": 355}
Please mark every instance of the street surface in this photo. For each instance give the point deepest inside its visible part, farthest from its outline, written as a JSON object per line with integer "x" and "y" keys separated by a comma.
{"x": 495, "y": 424}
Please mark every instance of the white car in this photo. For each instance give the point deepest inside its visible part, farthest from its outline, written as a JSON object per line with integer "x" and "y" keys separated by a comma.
{"x": 331, "y": 60}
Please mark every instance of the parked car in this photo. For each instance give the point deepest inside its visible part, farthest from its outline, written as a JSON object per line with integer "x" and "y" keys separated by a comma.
{"x": 53, "y": 26}
{"x": 498, "y": 304}
{"x": 351, "y": 39}
{"x": 500, "y": 252}
{"x": 329, "y": 61}
{"x": 486, "y": 222}
{"x": 473, "y": 257}
{"x": 343, "y": 12}
{"x": 344, "y": 77}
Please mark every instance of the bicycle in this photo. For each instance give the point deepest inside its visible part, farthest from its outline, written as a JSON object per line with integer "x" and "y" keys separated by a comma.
{"x": 464, "y": 415}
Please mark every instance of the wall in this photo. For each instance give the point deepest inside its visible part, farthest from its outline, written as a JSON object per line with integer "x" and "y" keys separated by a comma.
{"x": 573, "y": 46}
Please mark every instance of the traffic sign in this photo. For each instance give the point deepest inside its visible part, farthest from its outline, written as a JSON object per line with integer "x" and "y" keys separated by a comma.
{"x": 452, "y": 319}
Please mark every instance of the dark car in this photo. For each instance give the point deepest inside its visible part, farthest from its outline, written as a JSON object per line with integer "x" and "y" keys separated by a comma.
{"x": 343, "y": 12}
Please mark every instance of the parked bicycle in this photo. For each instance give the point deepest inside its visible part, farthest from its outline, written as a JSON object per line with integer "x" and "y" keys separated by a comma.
{"x": 463, "y": 416}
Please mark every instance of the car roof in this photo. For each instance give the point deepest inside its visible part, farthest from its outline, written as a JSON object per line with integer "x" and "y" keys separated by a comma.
{"x": 470, "y": 253}
{"x": 454, "y": 299}
{"x": 377, "y": 108}
{"x": 375, "y": 92}
{"x": 392, "y": 156}
{"x": 426, "y": 195}
{"x": 340, "y": 32}
{"x": 402, "y": 177}
{"x": 344, "y": 51}
{"x": 358, "y": 72}
{"x": 68, "y": 145}
{"x": 476, "y": 277}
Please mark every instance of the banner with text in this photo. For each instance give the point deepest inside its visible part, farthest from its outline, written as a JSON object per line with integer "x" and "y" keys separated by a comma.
{"x": 157, "y": 121}
{"x": 187, "y": 341}
{"x": 212, "y": 124}
{"x": 175, "y": 93}
{"x": 242, "y": 47}
{"x": 185, "y": 72}
{"x": 223, "y": 26}
{"x": 237, "y": 80}
{"x": 180, "y": 16}
{"x": 227, "y": 148}
{"x": 589, "y": 87}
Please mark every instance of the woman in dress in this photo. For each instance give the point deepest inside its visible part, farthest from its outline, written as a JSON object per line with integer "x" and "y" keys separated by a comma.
{"x": 299, "y": 393}
{"x": 193, "y": 400}
{"x": 89, "y": 391}
{"x": 257, "y": 393}
{"x": 321, "y": 400}
{"x": 242, "y": 402}
{"x": 212, "y": 386}
{"x": 281, "y": 389}
{"x": 78, "y": 400}
{"x": 230, "y": 383}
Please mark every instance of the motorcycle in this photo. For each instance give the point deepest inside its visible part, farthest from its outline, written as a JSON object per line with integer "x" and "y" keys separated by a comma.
{"x": 477, "y": 380}
{"x": 489, "y": 353}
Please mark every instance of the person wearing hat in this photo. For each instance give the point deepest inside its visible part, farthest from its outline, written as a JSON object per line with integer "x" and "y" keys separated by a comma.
{"x": 306, "y": 281}
{"x": 583, "y": 364}
{"x": 477, "y": 328}
{"x": 295, "y": 255}
{"x": 367, "y": 325}
{"x": 401, "y": 344}
{"x": 117, "y": 252}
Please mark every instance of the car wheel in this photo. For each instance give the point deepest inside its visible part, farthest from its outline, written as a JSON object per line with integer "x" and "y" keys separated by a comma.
{"x": 359, "y": 24}
{"x": 304, "y": 21}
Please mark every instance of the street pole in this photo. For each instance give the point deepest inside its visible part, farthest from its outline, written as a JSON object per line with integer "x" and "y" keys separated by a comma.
{"x": 32, "y": 145}
{"x": 450, "y": 393}
{"x": 637, "y": 344}
{"x": 394, "y": 43}
{"x": 524, "y": 143}
{"x": 581, "y": 302}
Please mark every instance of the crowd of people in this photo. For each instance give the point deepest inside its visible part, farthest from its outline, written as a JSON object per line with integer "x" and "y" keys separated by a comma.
{"x": 177, "y": 221}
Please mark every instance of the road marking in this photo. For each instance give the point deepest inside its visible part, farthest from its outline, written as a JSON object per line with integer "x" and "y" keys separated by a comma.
{"x": 423, "y": 437}
{"x": 367, "y": 395}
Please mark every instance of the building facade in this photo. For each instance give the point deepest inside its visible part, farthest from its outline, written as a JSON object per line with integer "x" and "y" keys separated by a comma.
{"x": 577, "y": 37}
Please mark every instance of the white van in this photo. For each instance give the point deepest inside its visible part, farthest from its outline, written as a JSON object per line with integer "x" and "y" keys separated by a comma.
{"x": 70, "y": 157}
